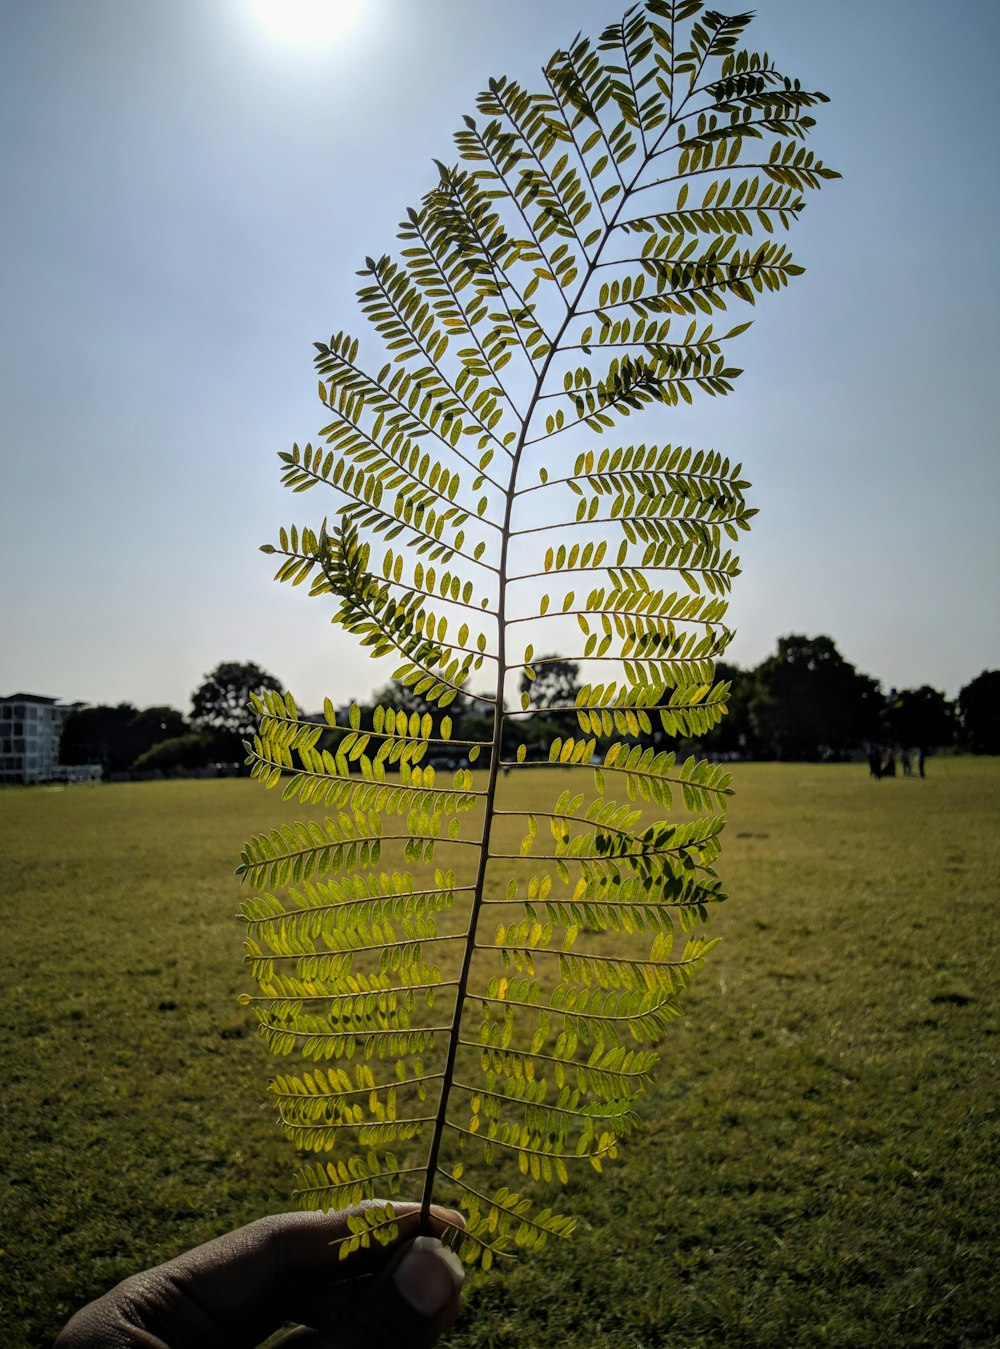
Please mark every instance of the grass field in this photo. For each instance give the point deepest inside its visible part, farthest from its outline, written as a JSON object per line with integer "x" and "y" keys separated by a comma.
{"x": 821, "y": 1164}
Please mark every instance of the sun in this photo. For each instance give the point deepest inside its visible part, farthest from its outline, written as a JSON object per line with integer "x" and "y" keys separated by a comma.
{"x": 306, "y": 21}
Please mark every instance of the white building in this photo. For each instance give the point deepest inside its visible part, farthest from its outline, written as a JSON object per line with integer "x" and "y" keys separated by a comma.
{"x": 30, "y": 726}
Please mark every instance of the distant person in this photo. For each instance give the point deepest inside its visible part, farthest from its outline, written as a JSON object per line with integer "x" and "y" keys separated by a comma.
{"x": 905, "y": 760}
{"x": 240, "y": 1288}
{"x": 920, "y": 761}
{"x": 889, "y": 767}
{"x": 874, "y": 762}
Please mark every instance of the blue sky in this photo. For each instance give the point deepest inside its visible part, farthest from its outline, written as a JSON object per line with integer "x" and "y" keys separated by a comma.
{"x": 187, "y": 198}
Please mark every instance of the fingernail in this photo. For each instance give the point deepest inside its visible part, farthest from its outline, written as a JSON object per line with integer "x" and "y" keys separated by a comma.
{"x": 428, "y": 1276}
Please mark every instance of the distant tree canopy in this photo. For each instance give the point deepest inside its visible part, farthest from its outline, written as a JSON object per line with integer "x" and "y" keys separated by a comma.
{"x": 221, "y": 703}
{"x": 160, "y": 738}
{"x": 809, "y": 702}
{"x": 556, "y": 682}
{"x": 115, "y": 736}
{"x": 404, "y": 699}
{"x": 918, "y": 717}
{"x": 154, "y": 724}
{"x": 193, "y": 749}
{"x": 97, "y": 735}
{"x": 555, "y": 685}
{"x": 468, "y": 715}
{"x": 735, "y": 734}
{"x": 979, "y": 714}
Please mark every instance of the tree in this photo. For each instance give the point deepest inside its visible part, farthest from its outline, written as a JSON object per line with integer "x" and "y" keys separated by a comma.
{"x": 153, "y": 725}
{"x": 555, "y": 685}
{"x": 99, "y": 734}
{"x": 918, "y": 717}
{"x": 810, "y": 703}
{"x": 404, "y": 699}
{"x": 979, "y": 713}
{"x": 556, "y": 682}
{"x": 193, "y": 749}
{"x": 222, "y": 703}
{"x": 157, "y": 723}
{"x": 115, "y": 736}
{"x": 734, "y": 733}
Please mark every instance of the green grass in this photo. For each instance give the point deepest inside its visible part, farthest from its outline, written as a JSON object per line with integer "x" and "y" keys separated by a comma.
{"x": 820, "y": 1165}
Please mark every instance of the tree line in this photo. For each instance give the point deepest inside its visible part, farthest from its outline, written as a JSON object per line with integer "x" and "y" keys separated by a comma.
{"x": 123, "y": 739}
{"x": 804, "y": 702}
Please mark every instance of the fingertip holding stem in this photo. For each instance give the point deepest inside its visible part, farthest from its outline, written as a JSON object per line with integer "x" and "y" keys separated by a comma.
{"x": 428, "y": 1276}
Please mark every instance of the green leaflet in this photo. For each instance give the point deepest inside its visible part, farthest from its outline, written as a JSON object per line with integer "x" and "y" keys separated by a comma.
{"x": 465, "y": 955}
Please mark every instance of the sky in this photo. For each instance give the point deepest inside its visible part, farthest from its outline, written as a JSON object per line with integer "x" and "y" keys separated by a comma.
{"x": 187, "y": 196}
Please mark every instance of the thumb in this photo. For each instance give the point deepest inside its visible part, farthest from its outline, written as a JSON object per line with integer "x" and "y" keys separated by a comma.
{"x": 408, "y": 1305}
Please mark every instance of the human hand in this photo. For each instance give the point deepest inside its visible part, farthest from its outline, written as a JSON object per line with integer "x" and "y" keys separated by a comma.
{"x": 235, "y": 1291}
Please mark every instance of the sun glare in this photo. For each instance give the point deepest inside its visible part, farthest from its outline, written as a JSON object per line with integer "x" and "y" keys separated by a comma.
{"x": 306, "y": 21}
